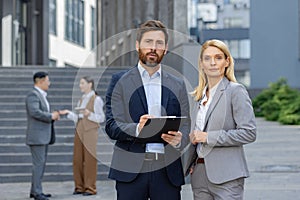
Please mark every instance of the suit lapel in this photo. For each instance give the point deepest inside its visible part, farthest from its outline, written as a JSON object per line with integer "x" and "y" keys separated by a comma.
{"x": 136, "y": 80}
{"x": 167, "y": 86}
{"x": 44, "y": 104}
{"x": 165, "y": 92}
{"x": 219, "y": 93}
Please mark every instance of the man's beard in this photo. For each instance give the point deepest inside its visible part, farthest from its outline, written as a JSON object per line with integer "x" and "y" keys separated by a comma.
{"x": 149, "y": 62}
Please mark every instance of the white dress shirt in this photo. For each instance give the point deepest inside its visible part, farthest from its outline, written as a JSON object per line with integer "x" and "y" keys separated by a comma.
{"x": 204, "y": 104}
{"x": 44, "y": 94}
{"x": 152, "y": 86}
{"x": 96, "y": 116}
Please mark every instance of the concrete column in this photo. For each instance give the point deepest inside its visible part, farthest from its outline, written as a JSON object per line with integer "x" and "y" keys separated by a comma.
{"x": 1, "y": 8}
{"x": 37, "y": 43}
{"x": 137, "y": 8}
{"x": 128, "y": 14}
{"x": 180, "y": 21}
{"x": 149, "y": 9}
{"x": 43, "y": 33}
{"x": 180, "y": 16}
{"x": 6, "y": 47}
{"x": 163, "y": 12}
{"x": 99, "y": 31}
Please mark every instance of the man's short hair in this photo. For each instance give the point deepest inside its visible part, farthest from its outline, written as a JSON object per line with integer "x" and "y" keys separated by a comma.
{"x": 152, "y": 25}
{"x": 39, "y": 75}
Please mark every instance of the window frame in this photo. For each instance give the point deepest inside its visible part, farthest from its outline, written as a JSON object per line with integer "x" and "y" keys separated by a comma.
{"x": 74, "y": 21}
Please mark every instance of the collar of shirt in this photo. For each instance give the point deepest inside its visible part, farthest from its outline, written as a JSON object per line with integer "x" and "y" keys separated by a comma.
{"x": 84, "y": 101}
{"x": 145, "y": 75}
{"x": 88, "y": 95}
{"x": 212, "y": 92}
{"x": 41, "y": 91}
{"x": 44, "y": 94}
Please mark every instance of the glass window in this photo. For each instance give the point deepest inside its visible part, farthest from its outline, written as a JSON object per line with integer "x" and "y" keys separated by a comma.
{"x": 74, "y": 27}
{"x": 93, "y": 28}
{"x": 239, "y": 48}
{"x": 234, "y": 48}
{"x": 234, "y": 1}
{"x": 244, "y": 49}
{"x": 81, "y": 21}
{"x": 52, "y": 16}
{"x": 52, "y": 63}
{"x": 231, "y": 22}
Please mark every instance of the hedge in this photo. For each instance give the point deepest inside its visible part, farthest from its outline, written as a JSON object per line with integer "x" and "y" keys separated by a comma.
{"x": 279, "y": 102}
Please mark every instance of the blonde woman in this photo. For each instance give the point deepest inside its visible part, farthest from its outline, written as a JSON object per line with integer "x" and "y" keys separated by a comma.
{"x": 223, "y": 122}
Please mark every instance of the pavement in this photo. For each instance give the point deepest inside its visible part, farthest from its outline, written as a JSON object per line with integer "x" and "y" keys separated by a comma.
{"x": 273, "y": 161}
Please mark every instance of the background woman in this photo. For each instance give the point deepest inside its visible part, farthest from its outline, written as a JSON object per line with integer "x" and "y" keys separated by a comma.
{"x": 87, "y": 116}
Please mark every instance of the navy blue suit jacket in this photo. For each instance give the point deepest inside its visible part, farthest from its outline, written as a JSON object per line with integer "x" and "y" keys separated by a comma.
{"x": 125, "y": 104}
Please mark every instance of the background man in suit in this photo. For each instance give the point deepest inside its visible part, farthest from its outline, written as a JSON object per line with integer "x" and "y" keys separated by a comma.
{"x": 223, "y": 122}
{"x": 40, "y": 132}
{"x": 146, "y": 170}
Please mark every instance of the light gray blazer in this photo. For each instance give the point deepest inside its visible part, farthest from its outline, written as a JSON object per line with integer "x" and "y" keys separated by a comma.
{"x": 230, "y": 123}
{"x": 39, "y": 120}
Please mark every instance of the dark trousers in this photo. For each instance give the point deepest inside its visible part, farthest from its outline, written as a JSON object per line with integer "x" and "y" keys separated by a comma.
{"x": 39, "y": 157}
{"x": 153, "y": 184}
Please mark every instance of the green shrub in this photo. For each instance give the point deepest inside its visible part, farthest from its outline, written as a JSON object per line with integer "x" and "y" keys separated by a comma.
{"x": 271, "y": 110}
{"x": 260, "y": 100}
{"x": 290, "y": 113}
{"x": 279, "y": 102}
{"x": 286, "y": 95}
{"x": 265, "y": 96}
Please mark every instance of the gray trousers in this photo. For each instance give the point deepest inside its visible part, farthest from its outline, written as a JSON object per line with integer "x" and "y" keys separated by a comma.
{"x": 203, "y": 189}
{"x": 39, "y": 157}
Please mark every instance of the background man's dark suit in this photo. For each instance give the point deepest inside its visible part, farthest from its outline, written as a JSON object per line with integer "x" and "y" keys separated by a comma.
{"x": 39, "y": 134}
{"x": 125, "y": 104}
{"x": 39, "y": 118}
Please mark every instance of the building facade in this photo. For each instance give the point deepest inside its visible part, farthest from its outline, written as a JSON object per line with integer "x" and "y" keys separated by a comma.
{"x": 275, "y": 42}
{"x": 24, "y": 32}
{"x": 72, "y": 34}
{"x": 263, "y": 36}
{"x": 118, "y": 21}
{"x": 230, "y": 22}
{"x": 48, "y": 32}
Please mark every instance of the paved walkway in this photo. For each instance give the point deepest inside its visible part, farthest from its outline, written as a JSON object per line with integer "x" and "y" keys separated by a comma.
{"x": 274, "y": 164}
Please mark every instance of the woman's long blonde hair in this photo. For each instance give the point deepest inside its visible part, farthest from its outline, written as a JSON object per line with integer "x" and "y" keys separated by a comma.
{"x": 229, "y": 71}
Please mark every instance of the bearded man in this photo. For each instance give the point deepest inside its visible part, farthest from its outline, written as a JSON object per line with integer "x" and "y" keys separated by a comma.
{"x": 147, "y": 169}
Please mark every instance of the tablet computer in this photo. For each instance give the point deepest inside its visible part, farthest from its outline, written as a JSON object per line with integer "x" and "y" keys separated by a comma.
{"x": 79, "y": 109}
{"x": 155, "y": 127}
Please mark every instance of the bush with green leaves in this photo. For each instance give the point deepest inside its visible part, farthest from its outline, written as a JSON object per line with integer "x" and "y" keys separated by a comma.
{"x": 279, "y": 102}
{"x": 290, "y": 113}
